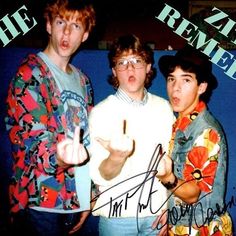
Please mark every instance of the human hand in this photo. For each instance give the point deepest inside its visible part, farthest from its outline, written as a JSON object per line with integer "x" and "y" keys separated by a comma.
{"x": 120, "y": 145}
{"x": 164, "y": 168}
{"x": 161, "y": 219}
{"x": 83, "y": 217}
{"x": 71, "y": 151}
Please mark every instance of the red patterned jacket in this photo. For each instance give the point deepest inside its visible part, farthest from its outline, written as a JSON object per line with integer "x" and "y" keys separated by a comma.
{"x": 36, "y": 123}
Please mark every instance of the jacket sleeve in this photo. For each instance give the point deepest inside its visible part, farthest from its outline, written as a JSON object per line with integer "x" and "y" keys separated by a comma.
{"x": 30, "y": 122}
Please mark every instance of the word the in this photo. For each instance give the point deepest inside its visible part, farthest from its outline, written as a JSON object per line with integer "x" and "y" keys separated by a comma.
{"x": 8, "y": 31}
{"x": 196, "y": 38}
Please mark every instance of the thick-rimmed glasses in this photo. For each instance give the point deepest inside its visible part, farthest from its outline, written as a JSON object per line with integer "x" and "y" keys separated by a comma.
{"x": 136, "y": 62}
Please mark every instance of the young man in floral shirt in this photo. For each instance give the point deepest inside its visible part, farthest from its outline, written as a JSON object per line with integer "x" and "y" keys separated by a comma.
{"x": 48, "y": 105}
{"x": 198, "y": 149}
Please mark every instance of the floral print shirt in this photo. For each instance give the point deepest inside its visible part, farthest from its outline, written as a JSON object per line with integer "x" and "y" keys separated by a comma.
{"x": 201, "y": 160}
{"x": 199, "y": 152}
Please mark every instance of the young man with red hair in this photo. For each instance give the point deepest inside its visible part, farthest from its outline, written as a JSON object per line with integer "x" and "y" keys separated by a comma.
{"x": 48, "y": 105}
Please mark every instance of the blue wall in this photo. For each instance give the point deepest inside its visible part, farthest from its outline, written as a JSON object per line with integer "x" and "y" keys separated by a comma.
{"x": 95, "y": 64}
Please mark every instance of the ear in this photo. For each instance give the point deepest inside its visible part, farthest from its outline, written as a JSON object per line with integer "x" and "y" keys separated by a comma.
{"x": 114, "y": 72}
{"x": 49, "y": 27}
{"x": 85, "y": 36}
{"x": 148, "y": 68}
{"x": 202, "y": 88}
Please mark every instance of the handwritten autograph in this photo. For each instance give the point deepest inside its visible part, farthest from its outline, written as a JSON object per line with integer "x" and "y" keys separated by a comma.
{"x": 116, "y": 207}
{"x": 189, "y": 209}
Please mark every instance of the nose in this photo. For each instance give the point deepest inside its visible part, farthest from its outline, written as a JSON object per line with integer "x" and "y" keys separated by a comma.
{"x": 130, "y": 65}
{"x": 66, "y": 30}
{"x": 176, "y": 86}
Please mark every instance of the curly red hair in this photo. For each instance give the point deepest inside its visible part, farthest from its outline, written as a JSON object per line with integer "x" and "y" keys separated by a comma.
{"x": 63, "y": 8}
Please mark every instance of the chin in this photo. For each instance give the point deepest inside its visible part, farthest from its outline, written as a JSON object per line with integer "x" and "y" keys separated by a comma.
{"x": 65, "y": 53}
{"x": 176, "y": 108}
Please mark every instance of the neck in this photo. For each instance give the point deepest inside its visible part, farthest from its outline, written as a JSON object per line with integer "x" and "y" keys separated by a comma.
{"x": 61, "y": 62}
{"x": 135, "y": 95}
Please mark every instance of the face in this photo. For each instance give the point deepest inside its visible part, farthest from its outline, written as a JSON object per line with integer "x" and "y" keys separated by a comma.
{"x": 183, "y": 91}
{"x": 131, "y": 71}
{"x": 65, "y": 35}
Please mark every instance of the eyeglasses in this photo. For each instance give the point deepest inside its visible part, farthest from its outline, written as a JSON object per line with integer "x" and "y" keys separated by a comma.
{"x": 136, "y": 62}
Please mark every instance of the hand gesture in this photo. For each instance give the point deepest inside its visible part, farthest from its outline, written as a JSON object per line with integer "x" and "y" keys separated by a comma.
{"x": 71, "y": 151}
{"x": 161, "y": 219}
{"x": 120, "y": 146}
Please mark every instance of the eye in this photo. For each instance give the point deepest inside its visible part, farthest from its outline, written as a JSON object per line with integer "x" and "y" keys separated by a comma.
{"x": 76, "y": 26}
{"x": 170, "y": 79}
{"x": 187, "y": 80}
{"x": 60, "y": 22}
{"x": 137, "y": 61}
{"x": 121, "y": 62}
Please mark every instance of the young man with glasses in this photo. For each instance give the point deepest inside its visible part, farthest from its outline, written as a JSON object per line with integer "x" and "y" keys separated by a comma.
{"x": 126, "y": 128}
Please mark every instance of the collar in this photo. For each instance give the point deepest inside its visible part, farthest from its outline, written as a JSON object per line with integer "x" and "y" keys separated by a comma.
{"x": 183, "y": 122}
{"x": 121, "y": 95}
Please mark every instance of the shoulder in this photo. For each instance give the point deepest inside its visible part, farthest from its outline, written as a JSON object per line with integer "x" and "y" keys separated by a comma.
{"x": 30, "y": 70}
{"x": 104, "y": 108}
{"x": 32, "y": 64}
{"x": 211, "y": 121}
{"x": 33, "y": 60}
{"x": 161, "y": 108}
{"x": 159, "y": 101}
{"x": 108, "y": 102}
{"x": 156, "y": 98}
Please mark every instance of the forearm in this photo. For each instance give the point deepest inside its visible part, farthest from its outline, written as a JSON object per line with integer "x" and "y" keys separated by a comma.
{"x": 200, "y": 167}
{"x": 110, "y": 168}
{"x": 186, "y": 191}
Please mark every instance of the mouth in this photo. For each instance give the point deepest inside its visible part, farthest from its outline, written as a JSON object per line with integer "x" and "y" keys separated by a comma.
{"x": 131, "y": 79}
{"x": 64, "y": 44}
{"x": 175, "y": 100}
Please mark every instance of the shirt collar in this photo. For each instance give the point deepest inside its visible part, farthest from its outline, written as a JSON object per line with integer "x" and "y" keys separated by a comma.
{"x": 183, "y": 122}
{"x": 120, "y": 94}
